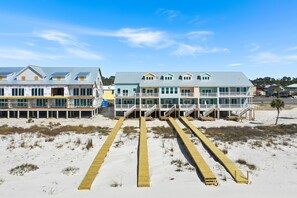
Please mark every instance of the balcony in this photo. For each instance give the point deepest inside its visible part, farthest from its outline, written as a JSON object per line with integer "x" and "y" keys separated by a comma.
{"x": 137, "y": 95}
{"x": 206, "y": 95}
{"x": 236, "y": 94}
{"x": 187, "y": 95}
{"x": 125, "y": 106}
{"x": 149, "y": 95}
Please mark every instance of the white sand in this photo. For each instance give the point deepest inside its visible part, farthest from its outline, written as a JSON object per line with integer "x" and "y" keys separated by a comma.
{"x": 275, "y": 175}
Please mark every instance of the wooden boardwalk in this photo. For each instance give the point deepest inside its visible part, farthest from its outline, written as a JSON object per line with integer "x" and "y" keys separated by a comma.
{"x": 99, "y": 159}
{"x": 238, "y": 176}
{"x": 143, "y": 163}
{"x": 208, "y": 176}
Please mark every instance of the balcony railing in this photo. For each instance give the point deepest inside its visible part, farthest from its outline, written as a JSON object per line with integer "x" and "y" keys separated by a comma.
{"x": 186, "y": 106}
{"x": 149, "y": 94}
{"x": 208, "y": 94}
{"x": 187, "y": 94}
{"x": 234, "y": 93}
{"x": 125, "y": 106}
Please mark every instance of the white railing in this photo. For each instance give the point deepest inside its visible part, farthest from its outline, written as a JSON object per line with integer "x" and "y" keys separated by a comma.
{"x": 150, "y": 111}
{"x": 167, "y": 106}
{"x": 208, "y": 94}
{"x": 185, "y": 106}
{"x": 230, "y": 106}
{"x": 234, "y": 93}
{"x": 129, "y": 111}
{"x": 149, "y": 94}
{"x": 125, "y": 106}
{"x": 244, "y": 109}
{"x": 209, "y": 110}
{"x": 127, "y": 95}
{"x": 187, "y": 94}
{"x": 147, "y": 106}
{"x": 190, "y": 110}
{"x": 168, "y": 112}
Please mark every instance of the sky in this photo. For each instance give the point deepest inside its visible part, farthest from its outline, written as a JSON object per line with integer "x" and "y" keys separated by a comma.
{"x": 257, "y": 37}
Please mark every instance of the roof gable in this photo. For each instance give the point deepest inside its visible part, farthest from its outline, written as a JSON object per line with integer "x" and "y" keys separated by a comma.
{"x": 35, "y": 69}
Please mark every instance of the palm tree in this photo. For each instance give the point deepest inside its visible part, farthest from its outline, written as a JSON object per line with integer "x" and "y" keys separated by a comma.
{"x": 278, "y": 104}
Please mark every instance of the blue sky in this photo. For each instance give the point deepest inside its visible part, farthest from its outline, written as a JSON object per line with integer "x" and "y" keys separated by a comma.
{"x": 257, "y": 37}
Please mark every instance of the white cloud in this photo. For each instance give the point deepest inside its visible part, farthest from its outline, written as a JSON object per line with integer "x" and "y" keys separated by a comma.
{"x": 268, "y": 57}
{"x": 201, "y": 35}
{"x": 59, "y": 37}
{"x": 190, "y": 50}
{"x": 83, "y": 54}
{"x": 70, "y": 44}
{"x": 254, "y": 47}
{"x": 21, "y": 54}
{"x": 198, "y": 20}
{"x": 169, "y": 13}
{"x": 234, "y": 64}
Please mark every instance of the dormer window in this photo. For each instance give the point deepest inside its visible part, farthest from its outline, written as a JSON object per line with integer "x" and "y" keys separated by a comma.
{"x": 198, "y": 77}
{"x": 82, "y": 76}
{"x": 60, "y": 75}
{"x": 187, "y": 78}
{"x": 204, "y": 76}
{"x": 149, "y": 78}
{"x": 168, "y": 78}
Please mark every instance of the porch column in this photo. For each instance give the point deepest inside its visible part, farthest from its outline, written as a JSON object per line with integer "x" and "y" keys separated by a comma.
{"x": 37, "y": 112}
{"x": 18, "y": 114}
{"x": 28, "y": 114}
{"x": 8, "y": 114}
{"x": 57, "y": 112}
{"x": 79, "y": 114}
{"x": 67, "y": 114}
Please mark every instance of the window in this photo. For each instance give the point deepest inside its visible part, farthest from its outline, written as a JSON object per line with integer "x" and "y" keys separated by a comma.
{"x": 224, "y": 89}
{"x": 143, "y": 90}
{"x": 21, "y": 102}
{"x": 37, "y": 92}
{"x": 134, "y": 89}
{"x": 156, "y": 90}
{"x": 59, "y": 78}
{"x": 175, "y": 90}
{"x": 60, "y": 102}
{"x": 1, "y": 77}
{"x": 187, "y": 77}
{"x": 82, "y": 78}
{"x": 23, "y": 77}
{"x": 35, "y": 77}
{"x": 125, "y": 92}
{"x": 171, "y": 90}
{"x": 1, "y": 91}
{"x": 41, "y": 102}
{"x": 237, "y": 89}
{"x": 17, "y": 91}
{"x": 3, "y": 103}
{"x": 205, "y": 78}
{"x": 149, "y": 78}
{"x": 112, "y": 92}
{"x": 198, "y": 77}
{"x": 168, "y": 78}
{"x": 76, "y": 91}
{"x": 82, "y": 91}
{"x": 167, "y": 90}
{"x": 119, "y": 91}
{"x": 163, "y": 90}
{"x": 89, "y": 91}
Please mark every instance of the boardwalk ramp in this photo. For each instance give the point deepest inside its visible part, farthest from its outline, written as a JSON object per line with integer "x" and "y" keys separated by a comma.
{"x": 99, "y": 159}
{"x": 143, "y": 163}
{"x": 208, "y": 176}
{"x": 238, "y": 176}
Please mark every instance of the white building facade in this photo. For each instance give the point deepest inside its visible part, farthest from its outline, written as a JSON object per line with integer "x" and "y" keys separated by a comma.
{"x": 35, "y": 92}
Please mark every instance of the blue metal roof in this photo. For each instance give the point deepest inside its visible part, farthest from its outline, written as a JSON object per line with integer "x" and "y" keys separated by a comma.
{"x": 60, "y": 74}
{"x": 47, "y": 72}
{"x": 218, "y": 79}
{"x": 83, "y": 74}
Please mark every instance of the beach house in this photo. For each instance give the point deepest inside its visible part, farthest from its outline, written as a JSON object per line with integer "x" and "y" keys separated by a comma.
{"x": 44, "y": 92}
{"x": 195, "y": 94}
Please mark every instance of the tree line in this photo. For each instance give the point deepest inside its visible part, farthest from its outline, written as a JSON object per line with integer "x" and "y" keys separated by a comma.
{"x": 108, "y": 80}
{"x": 284, "y": 81}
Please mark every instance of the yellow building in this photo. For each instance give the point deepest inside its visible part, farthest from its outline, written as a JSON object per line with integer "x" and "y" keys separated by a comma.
{"x": 108, "y": 93}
